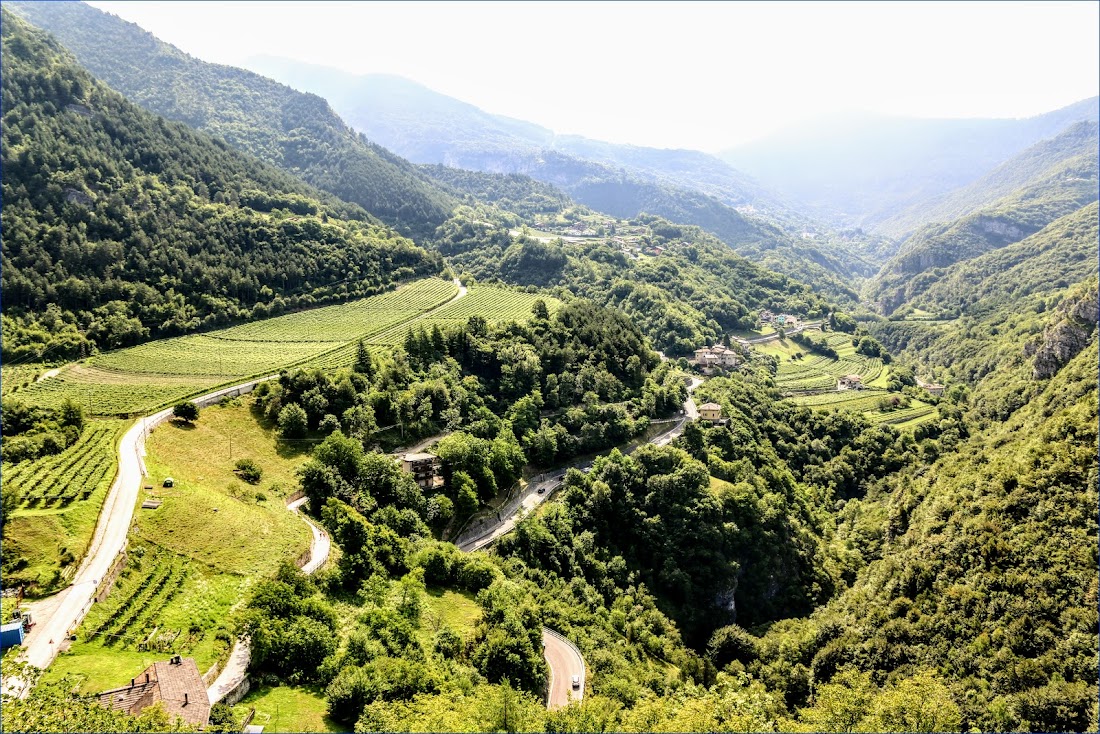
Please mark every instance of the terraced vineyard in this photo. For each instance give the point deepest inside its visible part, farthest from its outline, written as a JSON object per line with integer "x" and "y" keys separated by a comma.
{"x": 866, "y": 402}
{"x": 16, "y": 377}
{"x": 74, "y": 474}
{"x": 139, "y": 379}
{"x": 129, "y": 612}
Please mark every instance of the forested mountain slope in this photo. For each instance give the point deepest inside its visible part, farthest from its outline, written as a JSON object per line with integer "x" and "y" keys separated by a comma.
{"x": 295, "y": 131}
{"x": 428, "y": 127}
{"x": 682, "y": 186}
{"x": 1057, "y": 191}
{"x": 1025, "y": 169}
{"x": 864, "y": 170}
{"x": 119, "y": 225}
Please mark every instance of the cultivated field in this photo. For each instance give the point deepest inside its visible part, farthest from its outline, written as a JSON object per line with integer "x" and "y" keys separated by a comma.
{"x": 139, "y": 379}
{"x": 812, "y": 380}
{"x": 495, "y": 305}
{"x": 60, "y": 499}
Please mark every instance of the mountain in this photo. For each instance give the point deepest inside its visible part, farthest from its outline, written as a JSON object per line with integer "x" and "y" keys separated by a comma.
{"x": 862, "y": 170}
{"x": 428, "y": 127}
{"x": 1024, "y": 169}
{"x": 1058, "y": 177}
{"x": 680, "y": 185}
{"x": 120, "y": 225}
{"x": 295, "y": 131}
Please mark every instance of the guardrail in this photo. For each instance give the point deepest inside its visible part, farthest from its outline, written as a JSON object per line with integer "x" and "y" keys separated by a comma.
{"x": 576, "y": 650}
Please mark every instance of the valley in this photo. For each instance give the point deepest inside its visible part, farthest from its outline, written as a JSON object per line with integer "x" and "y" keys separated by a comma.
{"x": 349, "y": 405}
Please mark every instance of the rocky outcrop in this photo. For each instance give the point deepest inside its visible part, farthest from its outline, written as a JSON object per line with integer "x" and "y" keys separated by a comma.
{"x": 1070, "y": 331}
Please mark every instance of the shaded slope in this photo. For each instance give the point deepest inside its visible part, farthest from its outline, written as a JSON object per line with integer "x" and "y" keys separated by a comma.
{"x": 295, "y": 131}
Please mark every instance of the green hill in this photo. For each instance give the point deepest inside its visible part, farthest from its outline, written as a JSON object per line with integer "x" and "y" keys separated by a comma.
{"x": 295, "y": 131}
{"x": 120, "y": 226}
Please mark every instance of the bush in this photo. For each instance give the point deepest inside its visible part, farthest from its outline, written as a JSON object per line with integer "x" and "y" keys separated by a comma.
{"x": 249, "y": 471}
{"x": 186, "y": 411}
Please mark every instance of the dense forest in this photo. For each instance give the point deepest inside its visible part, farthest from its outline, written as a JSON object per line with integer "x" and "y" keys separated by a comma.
{"x": 295, "y": 131}
{"x": 120, "y": 226}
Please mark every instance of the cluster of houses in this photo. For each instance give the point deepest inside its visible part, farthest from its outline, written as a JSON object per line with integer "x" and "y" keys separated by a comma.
{"x": 780, "y": 320}
{"x": 717, "y": 356}
{"x": 933, "y": 388}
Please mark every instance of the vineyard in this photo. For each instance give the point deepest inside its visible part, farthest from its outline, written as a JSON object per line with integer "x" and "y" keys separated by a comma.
{"x": 494, "y": 304}
{"x": 13, "y": 378}
{"x": 131, "y": 611}
{"x": 139, "y": 379}
{"x": 74, "y": 474}
{"x": 867, "y": 402}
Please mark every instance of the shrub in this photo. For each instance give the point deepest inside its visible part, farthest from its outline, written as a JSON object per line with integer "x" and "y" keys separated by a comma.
{"x": 249, "y": 471}
{"x": 293, "y": 421}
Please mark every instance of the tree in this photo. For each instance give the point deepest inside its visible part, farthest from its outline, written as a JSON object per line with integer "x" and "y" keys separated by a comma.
{"x": 293, "y": 421}
{"x": 186, "y": 411}
{"x": 364, "y": 363}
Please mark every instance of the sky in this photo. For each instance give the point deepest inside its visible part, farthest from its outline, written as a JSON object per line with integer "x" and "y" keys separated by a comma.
{"x": 707, "y": 76}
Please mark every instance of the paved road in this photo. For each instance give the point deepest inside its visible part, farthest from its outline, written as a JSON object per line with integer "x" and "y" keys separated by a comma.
{"x": 486, "y": 533}
{"x": 319, "y": 547}
{"x": 565, "y": 662}
{"x": 68, "y": 607}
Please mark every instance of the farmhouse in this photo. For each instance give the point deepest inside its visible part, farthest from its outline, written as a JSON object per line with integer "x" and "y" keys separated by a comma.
{"x": 719, "y": 354}
{"x": 424, "y": 468}
{"x": 850, "y": 382}
{"x": 711, "y": 412}
{"x": 766, "y": 316}
{"x": 933, "y": 388}
{"x": 787, "y": 321}
{"x": 176, "y": 683}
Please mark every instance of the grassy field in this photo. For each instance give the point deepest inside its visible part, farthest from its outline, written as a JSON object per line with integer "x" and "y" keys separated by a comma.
{"x": 62, "y": 496}
{"x": 192, "y": 560}
{"x": 446, "y": 608}
{"x": 210, "y": 515}
{"x": 287, "y": 708}
{"x": 142, "y": 378}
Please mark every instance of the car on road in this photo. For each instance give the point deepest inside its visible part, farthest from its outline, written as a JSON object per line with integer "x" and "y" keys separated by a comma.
{"x": 576, "y": 682}
{"x": 541, "y": 490}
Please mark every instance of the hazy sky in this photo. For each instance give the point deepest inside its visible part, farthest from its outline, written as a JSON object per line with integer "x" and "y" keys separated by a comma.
{"x": 694, "y": 75}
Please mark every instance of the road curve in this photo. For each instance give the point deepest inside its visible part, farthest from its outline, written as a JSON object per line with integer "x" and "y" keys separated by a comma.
{"x": 565, "y": 661}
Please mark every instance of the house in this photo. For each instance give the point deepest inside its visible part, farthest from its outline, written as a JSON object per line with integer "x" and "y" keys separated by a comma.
{"x": 766, "y": 316}
{"x": 424, "y": 468}
{"x": 710, "y": 412}
{"x": 175, "y": 683}
{"x": 850, "y": 382}
{"x": 717, "y": 355}
{"x": 933, "y": 388}
{"x": 787, "y": 321}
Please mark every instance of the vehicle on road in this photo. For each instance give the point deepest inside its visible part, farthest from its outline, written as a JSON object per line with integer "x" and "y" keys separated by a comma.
{"x": 576, "y": 682}
{"x": 541, "y": 490}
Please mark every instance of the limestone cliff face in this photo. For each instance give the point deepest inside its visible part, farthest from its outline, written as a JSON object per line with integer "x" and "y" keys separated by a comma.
{"x": 1069, "y": 333}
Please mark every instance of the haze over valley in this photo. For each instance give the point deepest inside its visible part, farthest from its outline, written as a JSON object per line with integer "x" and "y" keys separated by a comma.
{"x": 371, "y": 374}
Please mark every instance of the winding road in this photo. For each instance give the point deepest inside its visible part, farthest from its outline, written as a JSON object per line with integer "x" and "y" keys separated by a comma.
{"x": 489, "y": 529}
{"x": 59, "y": 615}
{"x": 565, "y": 662}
